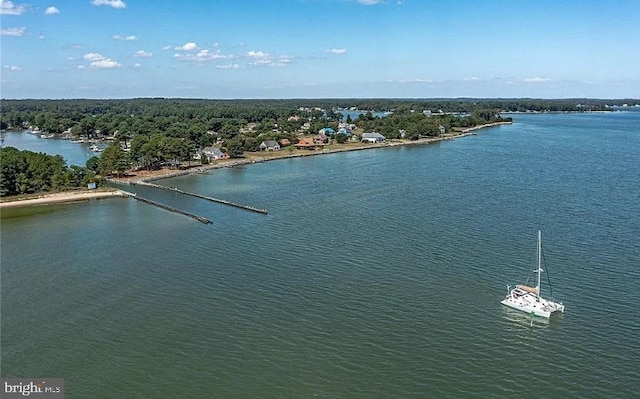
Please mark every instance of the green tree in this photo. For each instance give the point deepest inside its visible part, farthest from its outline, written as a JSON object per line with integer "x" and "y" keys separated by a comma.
{"x": 235, "y": 148}
{"x": 93, "y": 164}
{"x": 114, "y": 159}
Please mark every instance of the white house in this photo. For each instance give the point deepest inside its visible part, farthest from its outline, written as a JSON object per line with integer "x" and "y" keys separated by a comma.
{"x": 213, "y": 153}
{"x": 373, "y": 137}
{"x": 269, "y": 145}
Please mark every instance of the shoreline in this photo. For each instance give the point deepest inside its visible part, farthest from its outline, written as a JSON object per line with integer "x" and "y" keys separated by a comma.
{"x": 143, "y": 176}
{"x": 63, "y": 197}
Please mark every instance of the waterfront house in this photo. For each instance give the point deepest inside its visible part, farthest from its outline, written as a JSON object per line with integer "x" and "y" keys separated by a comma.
{"x": 213, "y": 153}
{"x": 321, "y": 139}
{"x": 327, "y": 131}
{"x": 269, "y": 145}
{"x": 284, "y": 143}
{"x": 346, "y": 126}
{"x": 306, "y": 143}
{"x": 441, "y": 129}
{"x": 373, "y": 137}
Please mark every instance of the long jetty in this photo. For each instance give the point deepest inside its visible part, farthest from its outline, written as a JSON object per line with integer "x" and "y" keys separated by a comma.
{"x": 172, "y": 209}
{"x": 217, "y": 200}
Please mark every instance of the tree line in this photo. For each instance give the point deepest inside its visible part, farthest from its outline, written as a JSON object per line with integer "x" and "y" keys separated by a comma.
{"x": 27, "y": 172}
{"x": 151, "y": 132}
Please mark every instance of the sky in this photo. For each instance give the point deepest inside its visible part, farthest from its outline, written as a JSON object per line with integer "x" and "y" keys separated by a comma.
{"x": 235, "y": 49}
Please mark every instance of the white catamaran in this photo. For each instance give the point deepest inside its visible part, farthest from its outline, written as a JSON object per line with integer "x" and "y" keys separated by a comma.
{"x": 528, "y": 299}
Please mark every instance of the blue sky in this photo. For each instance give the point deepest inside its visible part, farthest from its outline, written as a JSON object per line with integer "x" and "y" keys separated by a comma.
{"x": 319, "y": 48}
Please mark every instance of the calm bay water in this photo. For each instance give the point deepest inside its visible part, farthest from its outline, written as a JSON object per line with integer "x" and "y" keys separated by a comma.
{"x": 375, "y": 274}
{"x": 73, "y": 153}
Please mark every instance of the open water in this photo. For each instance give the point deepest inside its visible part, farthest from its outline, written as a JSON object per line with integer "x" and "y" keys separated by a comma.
{"x": 73, "y": 153}
{"x": 376, "y": 274}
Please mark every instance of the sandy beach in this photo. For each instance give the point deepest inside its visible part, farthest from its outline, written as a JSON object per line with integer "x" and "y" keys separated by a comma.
{"x": 62, "y": 197}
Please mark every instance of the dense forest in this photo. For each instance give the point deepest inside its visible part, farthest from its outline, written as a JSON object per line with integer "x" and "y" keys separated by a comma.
{"x": 27, "y": 172}
{"x": 151, "y": 132}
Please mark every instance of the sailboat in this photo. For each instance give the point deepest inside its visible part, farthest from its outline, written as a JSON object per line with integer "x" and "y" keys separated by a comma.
{"x": 528, "y": 299}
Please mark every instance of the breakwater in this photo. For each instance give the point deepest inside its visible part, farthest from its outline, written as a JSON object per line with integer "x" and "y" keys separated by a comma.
{"x": 172, "y": 209}
{"x": 217, "y": 200}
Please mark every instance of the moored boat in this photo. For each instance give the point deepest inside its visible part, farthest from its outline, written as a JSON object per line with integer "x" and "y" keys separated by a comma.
{"x": 528, "y": 299}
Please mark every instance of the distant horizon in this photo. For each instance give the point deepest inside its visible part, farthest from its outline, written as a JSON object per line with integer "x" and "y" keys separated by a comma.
{"x": 631, "y": 99}
{"x": 288, "y": 49}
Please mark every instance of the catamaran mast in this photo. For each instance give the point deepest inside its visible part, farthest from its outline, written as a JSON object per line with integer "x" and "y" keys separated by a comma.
{"x": 539, "y": 261}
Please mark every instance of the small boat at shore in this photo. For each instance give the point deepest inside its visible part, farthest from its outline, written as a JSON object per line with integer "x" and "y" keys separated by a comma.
{"x": 528, "y": 299}
{"x": 95, "y": 148}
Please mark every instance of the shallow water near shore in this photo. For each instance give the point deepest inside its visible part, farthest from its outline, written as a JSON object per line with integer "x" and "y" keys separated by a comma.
{"x": 376, "y": 273}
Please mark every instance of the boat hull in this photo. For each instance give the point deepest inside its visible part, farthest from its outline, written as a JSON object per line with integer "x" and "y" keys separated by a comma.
{"x": 533, "y": 304}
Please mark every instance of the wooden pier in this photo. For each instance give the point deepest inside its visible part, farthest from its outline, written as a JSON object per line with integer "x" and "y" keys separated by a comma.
{"x": 217, "y": 200}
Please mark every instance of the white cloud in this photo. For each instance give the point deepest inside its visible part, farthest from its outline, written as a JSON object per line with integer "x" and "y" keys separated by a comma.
{"x": 536, "y": 80}
{"x": 143, "y": 54}
{"x": 110, "y": 3}
{"x": 190, "y": 52}
{"x": 13, "y": 68}
{"x": 105, "y": 64}
{"x": 8, "y": 8}
{"x": 203, "y": 56}
{"x": 190, "y": 46}
{"x": 51, "y": 10}
{"x": 260, "y": 58}
{"x": 228, "y": 66}
{"x": 472, "y": 79}
{"x": 166, "y": 48}
{"x": 282, "y": 61}
{"x": 257, "y": 54}
{"x": 12, "y": 31}
{"x": 98, "y": 61}
{"x": 215, "y": 55}
{"x": 369, "y": 2}
{"x": 337, "y": 51}
{"x": 93, "y": 57}
{"x": 127, "y": 38}
{"x": 137, "y": 65}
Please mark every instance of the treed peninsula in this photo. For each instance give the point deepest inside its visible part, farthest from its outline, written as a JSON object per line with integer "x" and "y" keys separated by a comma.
{"x": 152, "y": 138}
